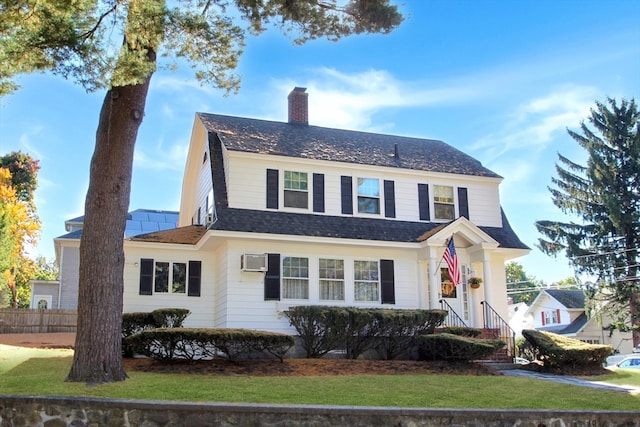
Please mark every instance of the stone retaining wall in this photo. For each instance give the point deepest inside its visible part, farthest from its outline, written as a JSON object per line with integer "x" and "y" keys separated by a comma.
{"x": 28, "y": 411}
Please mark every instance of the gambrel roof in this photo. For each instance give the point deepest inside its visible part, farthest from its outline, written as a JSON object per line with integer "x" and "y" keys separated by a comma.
{"x": 336, "y": 145}
{"x": 343, "y": 227}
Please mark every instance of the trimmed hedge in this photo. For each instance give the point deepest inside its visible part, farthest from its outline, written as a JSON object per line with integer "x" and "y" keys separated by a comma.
{"x": 557, "y": 351}
{"x": 193, "y": 343}
{"x": 133, "y": 323}
{"x": 445, "y": 346}
{"x": 355, "y": 330}
{"x": 463, "y": 331}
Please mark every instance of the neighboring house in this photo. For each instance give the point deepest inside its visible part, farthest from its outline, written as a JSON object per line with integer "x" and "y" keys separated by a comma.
{"x": 63, "y": 294}
{"x": 280, "y": 214}
{"x": 563, "y": 312}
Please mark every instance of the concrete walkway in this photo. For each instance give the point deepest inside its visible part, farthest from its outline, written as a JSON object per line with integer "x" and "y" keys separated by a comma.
{"x": 570, "y": 380}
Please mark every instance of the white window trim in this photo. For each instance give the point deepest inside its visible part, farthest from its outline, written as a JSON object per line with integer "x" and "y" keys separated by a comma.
{"x": 357, "y": 197}
{"x": 170, "y": 278}
{"x": 282, "y": 189}
{"x": 433, "y": 202}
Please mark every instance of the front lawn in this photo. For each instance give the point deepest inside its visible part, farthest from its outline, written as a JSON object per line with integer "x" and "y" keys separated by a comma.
{"x": 42, "y": 372}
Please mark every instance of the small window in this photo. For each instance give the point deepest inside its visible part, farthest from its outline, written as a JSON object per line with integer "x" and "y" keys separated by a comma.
{"x": 295, "y": 278}
{"x": 366, "y": 281}
{"x": 551, "y": 317}
{"x": 368, "y": 195}
{"x": 296, "y": 190}
{"x": 179, "y": 278}
{"x": 161, "y": 283}
{"x": 331, "y": 274}
{"x": 175, "y": 282}
{"x": 443, "y": 202}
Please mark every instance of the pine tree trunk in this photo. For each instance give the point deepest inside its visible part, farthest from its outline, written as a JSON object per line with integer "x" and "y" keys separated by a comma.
{"x": 98, "y": 353}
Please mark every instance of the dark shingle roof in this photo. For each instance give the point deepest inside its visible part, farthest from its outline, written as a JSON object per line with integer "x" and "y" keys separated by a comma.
{"x": 572, "y": 328}
{"x": 345, "y": 227}
{"x": 319, "y": 143}
{"x": 568, "y": 297}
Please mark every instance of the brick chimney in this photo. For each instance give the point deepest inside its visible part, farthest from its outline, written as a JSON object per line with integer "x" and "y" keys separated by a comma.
{"x": 299, "y": 106}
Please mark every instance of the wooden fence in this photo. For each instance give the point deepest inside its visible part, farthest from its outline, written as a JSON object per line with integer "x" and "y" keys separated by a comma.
{"x": 21, "y": 321}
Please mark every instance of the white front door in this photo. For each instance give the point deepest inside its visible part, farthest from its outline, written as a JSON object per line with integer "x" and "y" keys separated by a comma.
{"x": 455, "y": 296}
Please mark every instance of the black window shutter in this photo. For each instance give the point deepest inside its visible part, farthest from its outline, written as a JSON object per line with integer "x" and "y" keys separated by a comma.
{"x": 389, "y": 199}
{"x": 463, "y": 202}
{"x": 146, "y": 276}
{"x": 272, "y": 189}
{"x": 387, "y": 281}
{"x": 272, "y": 278}
{"x": 318, "y": 192}
{"x": 195, "y": 278}
{"x": 423, "y": 202}
{"x": 346, "y": 190}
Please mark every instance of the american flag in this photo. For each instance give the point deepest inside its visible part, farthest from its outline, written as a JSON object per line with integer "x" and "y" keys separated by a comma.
{"x": 451, "y": 258}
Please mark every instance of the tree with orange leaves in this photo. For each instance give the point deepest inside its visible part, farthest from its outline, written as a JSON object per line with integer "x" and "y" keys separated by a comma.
{"x": 19, "y": 224}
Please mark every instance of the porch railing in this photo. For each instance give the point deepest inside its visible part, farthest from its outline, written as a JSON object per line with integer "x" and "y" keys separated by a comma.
{"x": 452, "y": 319}
{"x": 493, "y": 321}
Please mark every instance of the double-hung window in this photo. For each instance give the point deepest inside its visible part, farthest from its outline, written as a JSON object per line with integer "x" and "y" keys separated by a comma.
{"x": 551, "y": 317}
{"x": 331, "y": 277}
{"x": 295, "y": 277}
{"x": 170, "y": 277}
{"x": 296, "y": 190}
{"x": 366, "y": 277}
{"x": 443, "y": 203}
{"x": 368, "y": 195}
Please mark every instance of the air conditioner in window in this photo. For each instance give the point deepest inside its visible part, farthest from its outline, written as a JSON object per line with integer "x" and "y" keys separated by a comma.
{"x": 253, "y": 262}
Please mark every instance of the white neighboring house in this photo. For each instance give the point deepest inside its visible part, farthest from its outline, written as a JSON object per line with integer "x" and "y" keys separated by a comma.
{"x": 63, "y": 293}
{"x": 562, "y": 311}
{"x": 280, "y": 214}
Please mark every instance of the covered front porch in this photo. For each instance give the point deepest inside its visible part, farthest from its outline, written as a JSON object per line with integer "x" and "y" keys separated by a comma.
{"x": 480, "y": 299}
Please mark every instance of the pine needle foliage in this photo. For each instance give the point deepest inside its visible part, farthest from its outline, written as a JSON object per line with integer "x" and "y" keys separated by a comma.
{"x": 604, "y": 194}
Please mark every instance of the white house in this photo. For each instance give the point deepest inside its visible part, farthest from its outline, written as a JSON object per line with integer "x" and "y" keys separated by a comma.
{"x": 562, "y": 311}
{"x": 278, "y": 214}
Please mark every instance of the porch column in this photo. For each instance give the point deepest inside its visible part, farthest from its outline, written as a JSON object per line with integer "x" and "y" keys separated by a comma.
{"x": 433, "y": 274}
{"x": 486, "y": 278}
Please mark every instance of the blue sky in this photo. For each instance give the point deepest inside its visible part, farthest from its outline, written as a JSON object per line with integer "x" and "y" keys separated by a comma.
{"x": 499, "y": 80}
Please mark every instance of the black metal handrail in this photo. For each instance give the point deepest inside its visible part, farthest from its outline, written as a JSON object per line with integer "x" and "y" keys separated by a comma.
{"x": 452, "y": 319}
{"x": 492, "y": 320}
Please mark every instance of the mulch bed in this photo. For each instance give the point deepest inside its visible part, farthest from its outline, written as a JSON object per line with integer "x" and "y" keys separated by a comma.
{"x": 308, "y": 367}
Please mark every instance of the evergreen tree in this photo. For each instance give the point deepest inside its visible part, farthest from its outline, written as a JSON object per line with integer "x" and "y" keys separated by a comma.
{"x": 75, "y": 39}
{"x": 605, "y": 195}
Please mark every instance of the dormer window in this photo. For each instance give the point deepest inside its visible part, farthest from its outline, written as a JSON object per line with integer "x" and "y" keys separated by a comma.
{"x": 296, "y": 190}
{"x": 443, "y": 203}
{"x": 368, "y": 195}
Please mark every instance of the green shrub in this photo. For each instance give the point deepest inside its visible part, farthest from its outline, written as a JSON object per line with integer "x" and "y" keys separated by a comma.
{"x": 557, "y": 351}
{"x": 133, "y": 323}
{"x": 390, "y": 332}
{"x": 170, "y": 317}
{"x": 194, "y": 343}
{"x": 397, "y": 330}
{"x": 463, "y": 331}
{"x": 455, "y": 347}
{"x": 315, "y": 327}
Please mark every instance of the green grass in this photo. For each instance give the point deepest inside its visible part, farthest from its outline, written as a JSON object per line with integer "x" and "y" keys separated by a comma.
{"x": 42, "y": 372}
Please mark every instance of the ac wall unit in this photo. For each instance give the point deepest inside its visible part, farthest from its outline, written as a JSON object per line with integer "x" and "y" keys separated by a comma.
{"x": 253, "y": 262}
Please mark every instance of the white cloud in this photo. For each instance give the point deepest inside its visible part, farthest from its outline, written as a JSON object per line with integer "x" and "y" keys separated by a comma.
{"x": 160, "y": 158}
{"x": 533, "y": 125}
